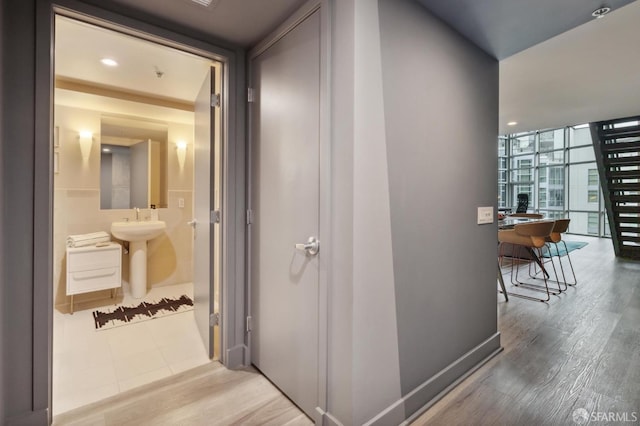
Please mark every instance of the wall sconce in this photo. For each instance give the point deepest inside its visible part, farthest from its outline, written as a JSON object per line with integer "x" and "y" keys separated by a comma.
{"x": 181, "y": 151}
{"x": 86, "y": 140}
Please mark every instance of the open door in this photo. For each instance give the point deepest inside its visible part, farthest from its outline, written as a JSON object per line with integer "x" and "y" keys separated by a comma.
{"x": 204, "y": 216}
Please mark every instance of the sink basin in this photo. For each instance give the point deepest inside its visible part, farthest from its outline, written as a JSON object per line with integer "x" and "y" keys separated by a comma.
{"x": 138, "y": 231}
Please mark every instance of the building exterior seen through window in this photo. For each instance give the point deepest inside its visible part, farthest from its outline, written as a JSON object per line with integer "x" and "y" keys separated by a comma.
{"x": 557, "y": 170}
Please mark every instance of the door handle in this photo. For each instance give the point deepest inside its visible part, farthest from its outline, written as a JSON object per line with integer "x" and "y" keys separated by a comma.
{"x": 311, "y": 247}
{"x": 192, "y": 223}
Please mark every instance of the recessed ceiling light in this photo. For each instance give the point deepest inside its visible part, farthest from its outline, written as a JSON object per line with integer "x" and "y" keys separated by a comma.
{"x": 600, "y": 12}
{"x": 512, "y": 123}
{"x": 109, "y": 62}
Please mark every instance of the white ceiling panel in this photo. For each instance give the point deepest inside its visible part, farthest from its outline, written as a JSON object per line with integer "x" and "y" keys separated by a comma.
{"x": 143, "y": 66}
{"x": 587, "y": 74}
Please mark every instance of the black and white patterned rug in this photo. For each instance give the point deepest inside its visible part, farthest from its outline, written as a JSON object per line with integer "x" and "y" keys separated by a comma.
{"x": 106, "y": 318}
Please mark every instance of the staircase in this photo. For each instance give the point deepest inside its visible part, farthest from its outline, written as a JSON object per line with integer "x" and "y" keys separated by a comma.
{"x": 617, "y": 150}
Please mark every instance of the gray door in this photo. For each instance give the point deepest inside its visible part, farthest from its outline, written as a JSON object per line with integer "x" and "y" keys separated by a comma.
{"x": 203, "y": 195}
{"x": 284, "y": 203}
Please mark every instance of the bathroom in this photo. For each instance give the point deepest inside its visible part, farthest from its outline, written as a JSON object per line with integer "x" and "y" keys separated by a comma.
{"x": 96, "y": 112}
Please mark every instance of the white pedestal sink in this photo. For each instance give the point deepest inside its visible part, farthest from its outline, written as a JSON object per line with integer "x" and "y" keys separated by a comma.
{"x": 138, "y": 233}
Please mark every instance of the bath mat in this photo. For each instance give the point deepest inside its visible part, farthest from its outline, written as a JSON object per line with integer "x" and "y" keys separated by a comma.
{"x": 106, "y": 318}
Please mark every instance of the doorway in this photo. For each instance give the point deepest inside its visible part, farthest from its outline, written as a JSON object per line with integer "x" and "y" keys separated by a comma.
{"x": 147, "y": 90}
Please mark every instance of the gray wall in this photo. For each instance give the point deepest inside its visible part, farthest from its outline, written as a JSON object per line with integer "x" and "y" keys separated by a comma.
{"x": 441, "y": 133}
{"x": 138, "y": 176}
{"x": 382, "y": 342}
{"x": 106, "y": 185}
{"x": 3, "y": 319}
{"x": 340, "y": 334}
{"x": 415, "y": 117}
{"x": 441, "y": 114}
{"x": 18, "y": 180}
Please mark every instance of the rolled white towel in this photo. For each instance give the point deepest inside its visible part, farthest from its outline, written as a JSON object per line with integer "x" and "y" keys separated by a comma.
{"x": 82, "y": 240}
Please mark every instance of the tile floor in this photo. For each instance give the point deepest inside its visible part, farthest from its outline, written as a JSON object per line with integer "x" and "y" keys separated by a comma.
{"x": 90, "y": 365}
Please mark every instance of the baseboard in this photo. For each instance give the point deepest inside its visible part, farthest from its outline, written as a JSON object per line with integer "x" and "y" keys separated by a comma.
{"x": 392, "y": 415}
{"x": 424, "y": 396}
{"x": 32, "y": 418}
{"x": 236, "y": 357}
{"x": 428, "y": 393}
{"x": 323, "y": 418}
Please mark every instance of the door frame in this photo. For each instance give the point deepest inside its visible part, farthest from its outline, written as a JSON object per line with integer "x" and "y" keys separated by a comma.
{"x": 232, "y": 343}
{"x": 324, "y": 234}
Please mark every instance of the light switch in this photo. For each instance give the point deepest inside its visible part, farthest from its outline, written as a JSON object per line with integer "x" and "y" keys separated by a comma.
{"x": 181, "y": 203}
{"x": 485, "y": 215}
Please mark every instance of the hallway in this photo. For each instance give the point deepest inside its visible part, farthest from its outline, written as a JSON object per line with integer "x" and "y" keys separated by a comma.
{"x": 580, "y": 350}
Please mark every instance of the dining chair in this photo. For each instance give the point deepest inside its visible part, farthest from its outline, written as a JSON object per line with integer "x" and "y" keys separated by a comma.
{"x": 530, "y": 237}
{"x": 523, "y": 203}
{"x": 555, "y": 238}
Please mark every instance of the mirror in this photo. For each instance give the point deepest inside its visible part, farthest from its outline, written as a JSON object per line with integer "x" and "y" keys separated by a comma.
{"x": 133, "y": 163}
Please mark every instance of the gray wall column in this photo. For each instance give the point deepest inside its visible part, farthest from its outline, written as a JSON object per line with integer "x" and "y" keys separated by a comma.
{"x": 3, "y": 319}
{"x": 18, "y": 151}
{"x": 440, "y": 102}
{"x": 340, "y": 334}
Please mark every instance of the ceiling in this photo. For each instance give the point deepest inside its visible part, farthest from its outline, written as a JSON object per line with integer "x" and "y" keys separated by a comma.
{"x": 145, "y": 70}
{"x": 558, "y": 66}
{"x": 589, "y": 73}
{"x": 505, "y": 27}
{"x": 143, "y": 66}
{"x": 241, "y": 22}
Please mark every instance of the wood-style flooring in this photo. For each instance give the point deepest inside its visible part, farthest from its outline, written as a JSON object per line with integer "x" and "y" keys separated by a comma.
{"x": 581, "y": 350}
{"x": 206, "y": 395}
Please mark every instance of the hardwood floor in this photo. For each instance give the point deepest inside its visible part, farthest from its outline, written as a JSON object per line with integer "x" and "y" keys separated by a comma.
{"x": 206, "y": 395}
{"x": 580, "y": 350}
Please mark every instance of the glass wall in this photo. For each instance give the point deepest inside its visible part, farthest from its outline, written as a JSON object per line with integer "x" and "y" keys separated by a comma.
{"x": 557, "y": 170}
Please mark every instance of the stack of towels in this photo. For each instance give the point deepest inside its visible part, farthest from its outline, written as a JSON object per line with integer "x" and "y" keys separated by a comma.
{"x": 83, "y": 240}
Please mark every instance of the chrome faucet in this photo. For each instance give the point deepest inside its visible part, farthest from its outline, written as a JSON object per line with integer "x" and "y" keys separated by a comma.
{"x": 137, "y": 210}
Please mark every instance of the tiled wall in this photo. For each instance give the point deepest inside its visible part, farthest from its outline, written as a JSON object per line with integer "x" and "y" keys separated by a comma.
{"x": 77, "y": 207}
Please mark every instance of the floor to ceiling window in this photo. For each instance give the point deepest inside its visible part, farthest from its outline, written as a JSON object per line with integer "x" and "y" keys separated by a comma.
{"x": 557, "y": 170}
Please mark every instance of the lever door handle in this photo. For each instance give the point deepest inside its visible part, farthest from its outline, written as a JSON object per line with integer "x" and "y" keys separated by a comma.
{"x": 192, "y": 223}
{"x": 311, "y": 247}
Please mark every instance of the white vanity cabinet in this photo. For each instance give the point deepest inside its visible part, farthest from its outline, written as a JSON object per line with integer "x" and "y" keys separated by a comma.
{"x": 93, "y": 268}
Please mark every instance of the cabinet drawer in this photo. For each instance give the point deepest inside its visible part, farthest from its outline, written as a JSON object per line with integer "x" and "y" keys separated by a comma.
{"x": 94, "y": 259}
{"x": 92, "y": 280}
